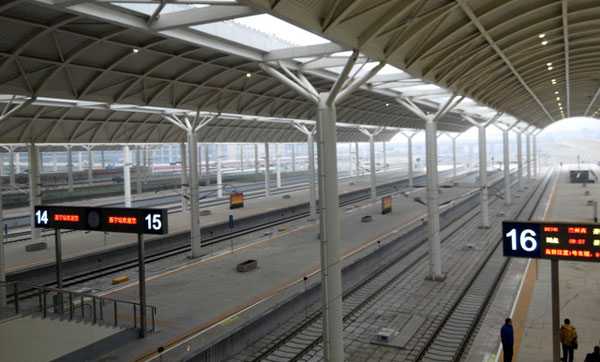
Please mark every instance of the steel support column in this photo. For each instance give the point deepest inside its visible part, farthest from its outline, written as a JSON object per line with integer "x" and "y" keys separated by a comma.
{"x": 385, "y": 165}
{"x": 219, "y": 174}
{"x": 138, "y": 170}
{"x": 90, "y": 165}
{"x": 241, "y": 145}
{"x": 528, "y": 152}
{"x": 373, "y": 178}
{"x": 267, "y": 172}
{"x": 194, "y": 201}
{"x": 207, "y": 168}
{"x": 34, "y": 188}
{"x": 70, "y": 168}
{"x": 520, "y": 160}
{"x": 2, "y": 255}
{"x": 102, "y": 165}
{"x": 126, "y": 175}
{"x": 278, "y": 160}
{"x": 535, "y": 160}
{"x": 256, "y": 163}
{"x": 2, "y": 173}
{"x": 453, "y": 159}
{"x": 54, "y": 162}
{"x": 357, "y": 161}
{"x": 433, "y": 202}
{"x": 330, "y": 232}
{"x": 184, "y": 196}
{"x": 11, "y": 165}
{"x": 293, "y": 157}
{"x": 507, "y": 195}
{"x": 483, "y": 180}
{"x": 80, "y": 161}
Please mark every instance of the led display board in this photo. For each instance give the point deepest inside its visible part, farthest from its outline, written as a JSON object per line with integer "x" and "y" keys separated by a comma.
{"x": 236, "y": 200}
{"x": 552, "y": 240}
{"x": 120, "y": 220}
{"x": 386, "y": 205}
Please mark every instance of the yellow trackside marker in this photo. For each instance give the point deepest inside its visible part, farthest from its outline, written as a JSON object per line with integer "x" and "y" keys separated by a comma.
{"x": 282, "y": 229}
{"x": 120, "y": 280}
{"x": 229, "y": 320}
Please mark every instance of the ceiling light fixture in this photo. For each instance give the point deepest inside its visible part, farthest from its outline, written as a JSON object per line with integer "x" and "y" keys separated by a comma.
{"x": 555, "y": 92}
{"x": 545, "y": 42}
{"x": 248, "y": 75}
{"x": 542, "y": 35}
{"x": 135, "y": 50}
{"x": 549, "y": 64}
{"x": 550, "y": 68}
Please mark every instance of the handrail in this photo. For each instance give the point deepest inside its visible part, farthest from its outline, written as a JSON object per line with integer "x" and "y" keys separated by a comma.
{"x": 72, "y": 300}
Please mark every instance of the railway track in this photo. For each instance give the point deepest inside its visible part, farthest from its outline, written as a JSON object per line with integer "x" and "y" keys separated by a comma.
{"x": 450, "y": 339}
{"x": 306, "y": 335}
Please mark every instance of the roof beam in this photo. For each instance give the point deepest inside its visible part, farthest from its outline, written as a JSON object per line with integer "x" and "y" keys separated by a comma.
{"x": 592, "y": 102}
{"x": 565, "y": 25}
{"x": 198, "y": 16}
{"x": 316, "y": 50}
{"x": 189, "y": 36}
{"x": 329, "y": 62}
{"x": 486, "y": 35}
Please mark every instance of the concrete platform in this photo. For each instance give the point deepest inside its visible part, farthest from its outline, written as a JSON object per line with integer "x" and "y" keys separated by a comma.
{"x": 525, "y": 293}
{"x": 79, "y": 243}
{"x": 207, "y": 299}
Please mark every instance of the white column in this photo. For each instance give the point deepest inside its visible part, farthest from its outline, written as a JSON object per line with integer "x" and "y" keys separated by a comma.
{"x": 507, "y": 195}
{"x": 267, "y": 172}
{"x": 520, "y": 160}
{"x": 199, "y": 155}
{"x": 330, "y": 232}
{"x": 293, "y": 157}
{"x": 2, "y": 173}
{"x": 207, "y": 167}
{"x": 410, "y": 162}
{"x": 102, "y": 164}
{"x": 311, "y": 176}
{"x": 256, "y": 163}
{"x": 535, "y": 159}
{"x": 278, "y": 158}
{"x": 34, "y": 188}
{"x": 54, "y": 162}
{"x": 219, "y": 176}
{"x": 90, "y": 165}
{"x": 2, "y": 257}
{"x": 483, "y": 180}
{"x": 385, "y": 165}
{"x": 138, "y": 170}
{"x": 528, "y": 144}
{"x": 145, "y": 165}
{"x": 150, "y": 168}
{"x": 170, "y": 149}
{"x": 350, "y": 170}
{"x": 372, "y": 167}
{"x": 184, "y": 200}
{"x": 70, "y": 168}
{"x": 357, "y": 161}
{"x": 241, "y": 157}
{"x": 18, "y": 165}
{"x": 453, "y": 159}
{"x": 433, "y": 203}
{"x": 196, "y": 241}
{"x": 11, "y": 165}
{"x": 126, "y": 175}
{"x": 80, "y": 160}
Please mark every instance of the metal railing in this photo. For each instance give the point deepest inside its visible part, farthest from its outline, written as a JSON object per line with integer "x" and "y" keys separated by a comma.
{"x": 27, "y": 298}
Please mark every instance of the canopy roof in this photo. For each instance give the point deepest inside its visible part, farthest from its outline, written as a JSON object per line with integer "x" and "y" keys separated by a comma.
{"x": 102, "y": 52}
{"x": 536, "y": 60}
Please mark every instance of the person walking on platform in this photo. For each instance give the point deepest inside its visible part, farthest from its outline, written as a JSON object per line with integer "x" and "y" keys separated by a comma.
{"x": 593, "y": 357}
{"x": 568, "y": 339}
{"x": 508, "y": 339}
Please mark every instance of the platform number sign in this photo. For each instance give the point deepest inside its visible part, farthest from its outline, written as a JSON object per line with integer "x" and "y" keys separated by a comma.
{"x": 41, "y": 217}
{"x": 521, "y": 239}
{"x": 120, "y": 220}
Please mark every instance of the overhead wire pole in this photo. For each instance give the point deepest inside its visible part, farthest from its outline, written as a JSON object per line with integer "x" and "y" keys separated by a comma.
{"x": 519, "y": 157}
{"x": 372, "y": 136}
{"x": 34, "y": 187}
{"x": 333, "y": 345}
{"x": 126, "y": 175}
{"x": 453, "y": 138}
{"x": 483, "y": 180}
{"x": 433, "y": 202}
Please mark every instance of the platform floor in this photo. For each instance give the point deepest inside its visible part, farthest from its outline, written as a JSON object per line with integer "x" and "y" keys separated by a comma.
{"x": 210, "y": 296}
{"x": 525, "y": 293}
{"x": 78, "y": 243}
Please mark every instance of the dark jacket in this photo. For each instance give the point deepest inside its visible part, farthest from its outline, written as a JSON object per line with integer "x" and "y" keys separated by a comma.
{"x": 507, "y": 335}
{"x": 592, "y": 357}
